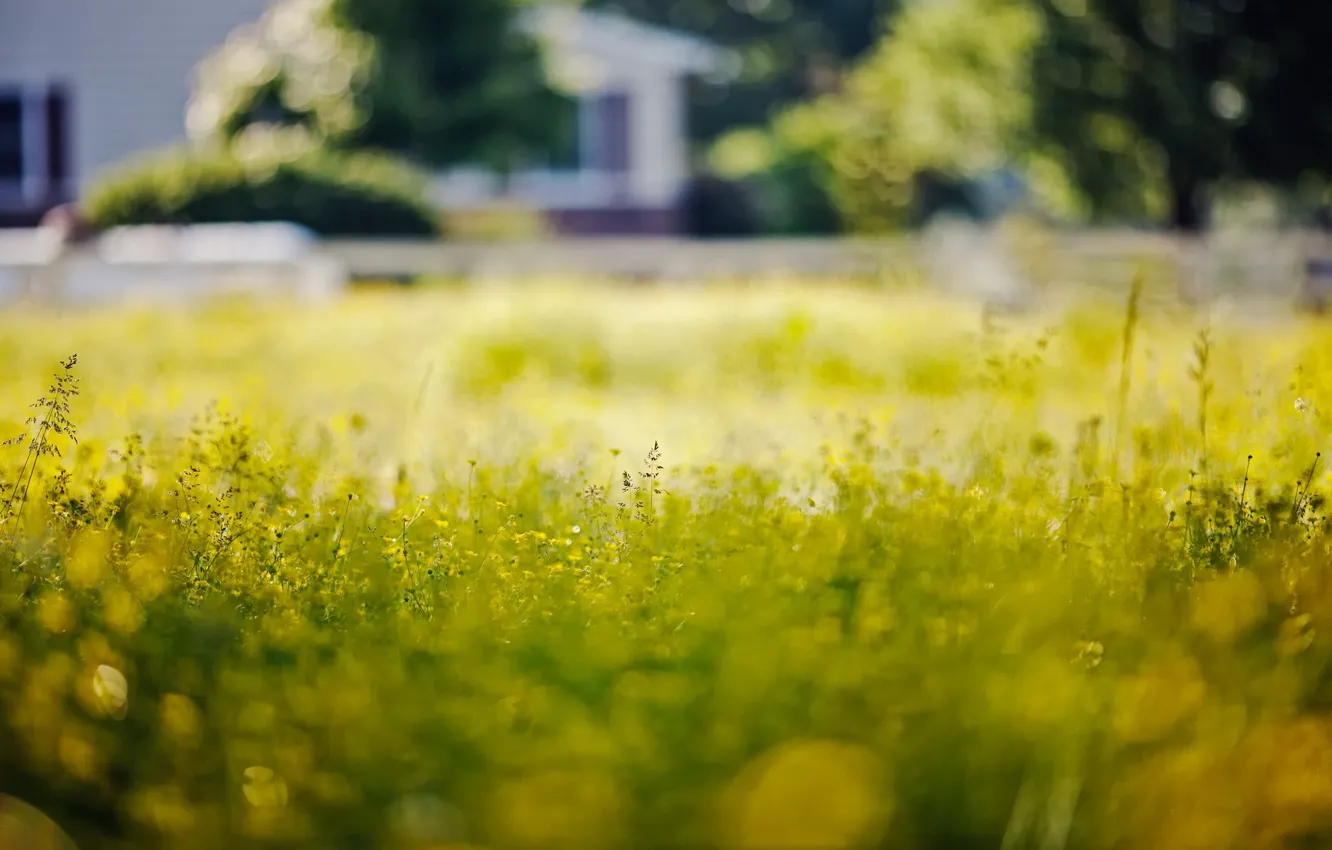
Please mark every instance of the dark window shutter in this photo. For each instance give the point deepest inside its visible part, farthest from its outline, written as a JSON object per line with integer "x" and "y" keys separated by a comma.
{"x": 11, "y": 136}
{"x": 57, "y": 140}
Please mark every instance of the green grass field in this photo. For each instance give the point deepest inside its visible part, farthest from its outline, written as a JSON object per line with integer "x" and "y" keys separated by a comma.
{"x": 747, "y": 569}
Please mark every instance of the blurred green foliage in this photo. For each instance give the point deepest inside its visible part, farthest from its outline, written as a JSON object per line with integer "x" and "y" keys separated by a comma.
{"x": 440, "y": 83}
{"x": 1183, "y": 94}
{"x": 267, "y": 177}
{"x": 1109, "y": 110}
{"x": 920, "y": 585}
{"x": 787, "y": 50}
{"x": 945, "y": 91}
{"x": 786, "y": 183}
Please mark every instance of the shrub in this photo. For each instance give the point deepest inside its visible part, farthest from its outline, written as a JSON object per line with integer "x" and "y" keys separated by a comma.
{"x": 787, "y": 183}
{"x": 713, "y": 207}
{"x": 792, "y": 200}
{"x": 331, "y": 194}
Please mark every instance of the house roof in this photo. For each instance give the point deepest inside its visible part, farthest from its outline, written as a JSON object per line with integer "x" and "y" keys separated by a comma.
{"x": 612, "y": 38}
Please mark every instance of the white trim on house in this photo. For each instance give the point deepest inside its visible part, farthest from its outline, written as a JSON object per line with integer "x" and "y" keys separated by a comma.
{"x": 609, "y": 36}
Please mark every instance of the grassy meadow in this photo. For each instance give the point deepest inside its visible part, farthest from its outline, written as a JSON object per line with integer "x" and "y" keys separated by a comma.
{"x": 765, "y": 568}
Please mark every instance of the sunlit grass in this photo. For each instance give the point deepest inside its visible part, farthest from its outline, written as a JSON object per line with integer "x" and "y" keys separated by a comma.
{"x": 407, "y": 571}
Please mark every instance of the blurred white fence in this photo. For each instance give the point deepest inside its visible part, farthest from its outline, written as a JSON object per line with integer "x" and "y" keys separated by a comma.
{"x": 998, "y": 264}
{"x": 155, "y": 264}
{"x": 651, "y": 258}
{"x": 995, "y": 264}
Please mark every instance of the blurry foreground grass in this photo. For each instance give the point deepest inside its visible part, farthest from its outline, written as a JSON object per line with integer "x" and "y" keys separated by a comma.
{"x": 612, "y": 568}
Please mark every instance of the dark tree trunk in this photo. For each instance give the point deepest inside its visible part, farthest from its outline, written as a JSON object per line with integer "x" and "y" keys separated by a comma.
{"x": 1187, "y": 213}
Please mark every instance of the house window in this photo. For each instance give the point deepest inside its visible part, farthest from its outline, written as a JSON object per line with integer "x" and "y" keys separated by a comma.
{"x": 34, "y": 147}
{"x": 607, "y": 133}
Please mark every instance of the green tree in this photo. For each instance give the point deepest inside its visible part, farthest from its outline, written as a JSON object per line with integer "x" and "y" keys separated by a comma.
{"x": 1185, "y": 93}
{"x": 440, "y": 82}
{"x": 945, "y": 93}
{"x": 789, "y": 50}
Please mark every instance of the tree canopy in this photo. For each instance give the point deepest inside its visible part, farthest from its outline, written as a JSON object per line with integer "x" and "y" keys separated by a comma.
{"x": 1186, "y": 93}
{"x": 1113, "y": 110}
{"x": 943, "y": 99}
{"x": 789, "y": 50}
{"x": 440, "y": 82}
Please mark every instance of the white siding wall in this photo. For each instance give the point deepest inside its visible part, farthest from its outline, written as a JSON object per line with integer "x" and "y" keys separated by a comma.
{"x": 128, "y": 63}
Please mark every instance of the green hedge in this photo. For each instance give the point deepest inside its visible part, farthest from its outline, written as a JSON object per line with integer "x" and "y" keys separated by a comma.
{"x": 332, "y": 194}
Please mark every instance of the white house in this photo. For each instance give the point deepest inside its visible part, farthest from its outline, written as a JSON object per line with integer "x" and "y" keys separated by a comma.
{"x": 85, "y": 84}
{"x": 630, "y": 80}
